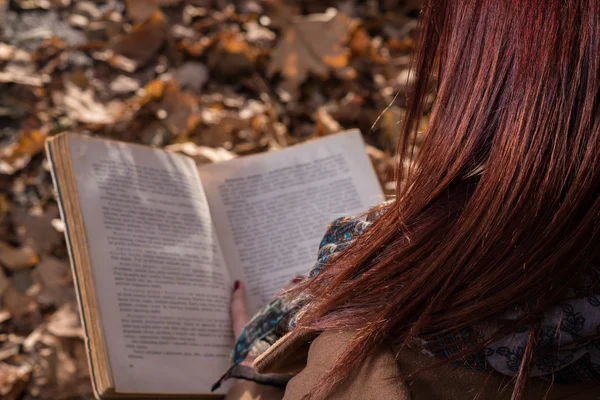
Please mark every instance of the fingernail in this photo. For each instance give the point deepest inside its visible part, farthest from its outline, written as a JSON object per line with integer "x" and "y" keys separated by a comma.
{"x": 236, "y": 285}
{"x": 297, "y": 279}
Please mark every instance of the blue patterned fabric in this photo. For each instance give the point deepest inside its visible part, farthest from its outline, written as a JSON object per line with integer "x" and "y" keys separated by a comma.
{"x": 563, "y": 325}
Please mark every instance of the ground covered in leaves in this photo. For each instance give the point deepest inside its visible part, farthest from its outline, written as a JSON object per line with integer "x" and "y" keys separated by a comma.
{"x": 209, "y": 78}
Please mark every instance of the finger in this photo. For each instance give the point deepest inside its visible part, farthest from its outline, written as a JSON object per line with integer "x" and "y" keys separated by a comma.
{"x": 239, "y": 310}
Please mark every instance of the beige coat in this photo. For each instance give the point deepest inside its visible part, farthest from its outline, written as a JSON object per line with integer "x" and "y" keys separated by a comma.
{"x": 309, "y": 356}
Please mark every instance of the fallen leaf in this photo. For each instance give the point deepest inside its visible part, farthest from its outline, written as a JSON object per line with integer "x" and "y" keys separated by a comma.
{"x": 124, "y": 85}
{"x": 179, "y": 110}
{"x": 66, "y": 323}
{"x": 16, "y": 76}
{"x": 88, "y": 9}
{"x": 8, "y": 349}
{"x": 360, "y": 42}
{"x": 35, "y": 229}
{"x": 258, "y": 34}
{"x": 143, "y": 42}
{"x": 22, "y": 280}
{"x": 13, "y": 380}
{"x": 233, "y": 55}
{"x": 401, "y": 44}
{"x": 141, "y": 10}
{"x": 55, "y": 375}
{"x": 192, "y": 75}
{"x": 4, "y": 282}
{"x": 4, "y": 316}
{"x": 49, "y": 48}
{"x": 4, "y": 206}
{"x": 43, "y": 4}
{"x": 55, "y": 280}
{"x": 326, "y": 125}
{"x": 153, "y": 90}
{"x": 33, "y": 340}
{"x": 17, "y": 258}
{"x": 81, "y": 105}
{"x": 219, "y": 127}
{"x": 311, "y": 44}
{"x": 20, "y": 306}
{"x": 14, "y": 54}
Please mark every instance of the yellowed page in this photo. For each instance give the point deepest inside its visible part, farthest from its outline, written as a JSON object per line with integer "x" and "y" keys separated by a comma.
{"x": 271, "y": 210}
{"x": 160, "y": 275}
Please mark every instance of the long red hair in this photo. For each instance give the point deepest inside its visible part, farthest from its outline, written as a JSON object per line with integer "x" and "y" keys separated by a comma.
{"x": 502, "y": 205}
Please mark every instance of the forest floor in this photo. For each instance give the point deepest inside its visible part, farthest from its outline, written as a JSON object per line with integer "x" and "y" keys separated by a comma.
{"x": 208, "y": 78}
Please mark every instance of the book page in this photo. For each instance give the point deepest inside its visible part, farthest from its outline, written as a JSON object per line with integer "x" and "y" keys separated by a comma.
{"x": 161, "y": 280}
{"x": 271, "y": 210}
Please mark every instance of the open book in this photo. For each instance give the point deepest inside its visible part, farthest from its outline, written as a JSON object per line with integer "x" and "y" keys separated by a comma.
{"x": 156, "y": 244}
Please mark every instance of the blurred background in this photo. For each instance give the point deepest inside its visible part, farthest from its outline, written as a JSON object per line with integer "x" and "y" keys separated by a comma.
{"x": 208, "y": 78}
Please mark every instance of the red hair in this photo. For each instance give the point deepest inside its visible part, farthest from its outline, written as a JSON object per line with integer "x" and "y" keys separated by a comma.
{"x": 502, "y": 205}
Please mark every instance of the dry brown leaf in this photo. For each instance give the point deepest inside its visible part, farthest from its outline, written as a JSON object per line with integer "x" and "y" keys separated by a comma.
{"x": 311, "y": 44}
{"x": 20, "y": 305}
{"x": 401, "y": 44}
{"x": 258, "y": 34}
{"x": 179, "y": 110}
{"x": 13, "y": 380}
{"x": 124, "y": 85}
{"x": 8, "y": 349}
{"x": 79, "y": 352}
{"x": 55, "y": 280}
{"x": 192, "y": 75}
{"x": 13, "y": 54}
{"x": 16, "y": 156}
{"x": 4, "y": 206}
{"x": 82, "y": 105}
{"x": 154, "y": 89}
{"x": 141, "y": 10}
{"x": 35, "y": 228}
{"x": 232, "y": 55}
{"x": 17, "y": 77}
{"x": 220, "y": 126}
{"x": 65, "y": 322}
{"x": 142, "y": 43}
{"x": 53, "y": 368}
{"x": 58, "y": 372}
{"x": 17, "y": 258}
{"x": 360, "y": 42}
{"x": 326, "y": 125}
{"x": 195, "y": 48}
{"x": 4, "y": 282}
{"x": 33, "y": 341}
{"x": 49, "y": 48}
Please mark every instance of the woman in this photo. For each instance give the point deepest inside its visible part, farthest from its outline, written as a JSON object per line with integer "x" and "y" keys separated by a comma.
{"x": 480, "y": 279}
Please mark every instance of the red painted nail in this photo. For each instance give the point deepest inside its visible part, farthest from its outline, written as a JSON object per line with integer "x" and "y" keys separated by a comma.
{"x": 236, "y": 285}
{"x": 297, "y": 279}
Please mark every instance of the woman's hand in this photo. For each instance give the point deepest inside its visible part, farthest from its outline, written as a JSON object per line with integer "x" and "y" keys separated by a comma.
{"x": 247, "y": 390}
{"x": 239, "y": 309}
